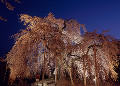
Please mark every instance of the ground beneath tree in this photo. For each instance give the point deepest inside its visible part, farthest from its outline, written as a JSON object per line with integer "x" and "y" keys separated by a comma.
{"x": 67, "y": 82}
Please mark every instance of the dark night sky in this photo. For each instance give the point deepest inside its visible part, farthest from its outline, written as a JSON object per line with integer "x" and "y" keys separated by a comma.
{"x": 96, "y": 14}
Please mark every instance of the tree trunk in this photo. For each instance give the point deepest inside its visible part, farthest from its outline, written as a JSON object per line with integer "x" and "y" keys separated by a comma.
{"x": 69, "y": 69}
{"x": 43, "y": 73}
{"x": 96, "y": 70}
{"x": 58, "y": 70}
{"x": 55, "y": 70}
{"x": 84, "y": 69}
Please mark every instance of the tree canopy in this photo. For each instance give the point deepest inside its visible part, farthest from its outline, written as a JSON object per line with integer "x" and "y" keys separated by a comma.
{"x": 60, "y": 42}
